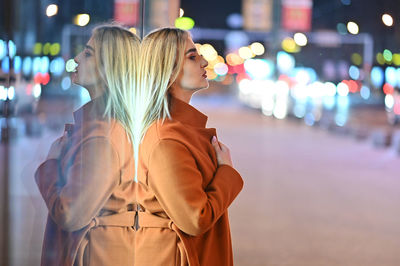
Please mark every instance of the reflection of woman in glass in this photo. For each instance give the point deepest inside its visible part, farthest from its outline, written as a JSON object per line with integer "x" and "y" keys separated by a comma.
{"x": 186, "y": 178}
{"x": 87, "y": 180}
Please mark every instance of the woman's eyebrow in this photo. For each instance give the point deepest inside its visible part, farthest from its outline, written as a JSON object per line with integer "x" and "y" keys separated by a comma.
{"x": 191, "y": 50}
{"x": 89, "y": 47}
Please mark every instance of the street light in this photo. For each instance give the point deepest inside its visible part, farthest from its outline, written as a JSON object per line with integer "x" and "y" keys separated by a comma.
{"x": 352, "y": 27}
{"x": 51, "y": 10}
{"x": 387, "y": 20}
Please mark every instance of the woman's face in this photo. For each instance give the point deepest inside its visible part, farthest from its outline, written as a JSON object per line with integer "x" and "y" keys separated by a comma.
{"x": 86, "y": 74}
{"x": 192, "y": 76}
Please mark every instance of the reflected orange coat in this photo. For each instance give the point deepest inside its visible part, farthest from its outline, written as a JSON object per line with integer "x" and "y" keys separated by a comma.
{"x": 89, "y": 192}
{"x": 184, "y": 194}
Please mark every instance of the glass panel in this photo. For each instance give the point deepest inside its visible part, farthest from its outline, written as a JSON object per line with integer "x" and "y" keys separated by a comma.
{"x": 38, "y": 40}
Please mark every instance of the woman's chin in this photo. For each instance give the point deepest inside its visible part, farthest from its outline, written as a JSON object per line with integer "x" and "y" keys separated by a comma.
{"x": 74, "y": 78}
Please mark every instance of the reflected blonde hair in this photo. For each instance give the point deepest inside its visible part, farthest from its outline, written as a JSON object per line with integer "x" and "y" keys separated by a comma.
{"x": 116, "y": 54}
{"x": 161, "y": 59}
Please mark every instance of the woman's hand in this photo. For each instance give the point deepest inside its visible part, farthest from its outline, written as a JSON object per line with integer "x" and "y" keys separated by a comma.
{"x": 56, "y": 147}
{"x": 223, "y": 153}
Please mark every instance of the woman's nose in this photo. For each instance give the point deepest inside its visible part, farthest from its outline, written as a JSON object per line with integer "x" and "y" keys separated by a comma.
{"x": 204, "y": 63}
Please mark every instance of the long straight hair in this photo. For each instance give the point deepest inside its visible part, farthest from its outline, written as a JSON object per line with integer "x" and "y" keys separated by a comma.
{"x": 116, "y": 54}
{"x": 161, "y": 59}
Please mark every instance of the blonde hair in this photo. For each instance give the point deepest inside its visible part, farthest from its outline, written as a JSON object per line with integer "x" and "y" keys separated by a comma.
{"x": 116, "y": 54}
{"x": 161, "y": 59}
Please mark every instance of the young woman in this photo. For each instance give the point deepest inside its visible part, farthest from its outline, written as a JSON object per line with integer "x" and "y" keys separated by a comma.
{"x": 87, "y": 181}
{"x": 186, "y": 178}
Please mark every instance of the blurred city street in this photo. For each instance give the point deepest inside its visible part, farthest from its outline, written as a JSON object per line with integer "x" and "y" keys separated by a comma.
{"x": 311, "y": 197}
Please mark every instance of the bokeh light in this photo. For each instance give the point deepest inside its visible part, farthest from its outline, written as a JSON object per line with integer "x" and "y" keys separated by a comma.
{"x": 133, "y": 30}
{"x": 27, "y": 66}
{"x": 300, "y": 39}
{"x": 341, "y": 28}
{"x": 245, "y": 52}
{"x": 51, "y": 10}
{"x": 391, "y": 76}
{"x": 380, "y": 59}
{"x": 257, "y": 48}
{"x": 356, "y": 58}
{"x": 46, "y": 48}
{"x": 37, "y": 48}
{"x": 5, "y": 64}
{"x": 211, "y": 74}
{"x": 11, "y": 93}
{"x": 285, "y": 62}
{"x": 354, "y": 72}
{"x": 221, "y": 69}
{"x": 184, "y": 23}
{"x": 377, "y": 76}
{"x": 389, "y": 101}
{"x": 208, "y": 52}
{"x": 396, "y": 59}
{"x": 37, "y": 90}
{"x": 44, "y": 64}
{"x": 234, "y": 20}
{"x": 12, "y": 49}
{"x": 259, "y": 68}
{"x": 387, "y": 89}
{"x": 82, "y": 20}
{"x": 57, "y": 66}
{"x": 387, "y": 20}
{"x": 387, "y": 55}
{"x": 17, "y": 64}
{"x": 66, "y": 83}
{"x": 290, "y": 46}
{"x": 55, "y": 49}
{"x": 365, "y": 92}
{"x": 352, "y": 27}
{"x": 70, "y": 65}
{"x": 233, "y": 59}
{"x": 342, "y": 89}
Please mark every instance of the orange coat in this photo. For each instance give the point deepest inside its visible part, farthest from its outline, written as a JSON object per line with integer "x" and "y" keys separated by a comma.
{"x": 183, "y": 193}
{"x": 90, "y": 194}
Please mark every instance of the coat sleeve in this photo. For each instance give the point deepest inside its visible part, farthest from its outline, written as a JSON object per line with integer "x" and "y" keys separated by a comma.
{"x": 90, "y": 180}
{"x": 177, "y": 183}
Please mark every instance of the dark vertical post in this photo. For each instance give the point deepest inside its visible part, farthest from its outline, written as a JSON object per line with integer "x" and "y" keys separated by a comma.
{"x": 142, "y": 8}
{"x": 5, "y": 148}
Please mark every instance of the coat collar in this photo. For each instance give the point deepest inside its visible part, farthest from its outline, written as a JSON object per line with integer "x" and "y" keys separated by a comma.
{"x": 91, "y": 110}
{"x": 187, "y": 114}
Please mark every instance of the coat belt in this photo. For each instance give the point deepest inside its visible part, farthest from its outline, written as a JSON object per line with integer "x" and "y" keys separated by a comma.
{"x": 148, "y": 220}
{"x": 124, "y": 219}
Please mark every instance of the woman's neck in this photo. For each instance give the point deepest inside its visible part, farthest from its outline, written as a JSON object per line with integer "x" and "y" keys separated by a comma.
{"x": 95, "y": 91}
{"x": 181, "y": 94}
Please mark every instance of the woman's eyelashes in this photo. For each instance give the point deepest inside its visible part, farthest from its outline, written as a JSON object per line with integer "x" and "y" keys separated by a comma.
{"x": 194, "y": 56}
{"x": 88, "y": 54}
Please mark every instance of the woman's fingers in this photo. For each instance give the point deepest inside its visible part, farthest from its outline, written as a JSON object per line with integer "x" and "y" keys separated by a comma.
{"x": 222, "y": 151}
{"x": 215, "y": 143}
{"x": 223, "y": 147}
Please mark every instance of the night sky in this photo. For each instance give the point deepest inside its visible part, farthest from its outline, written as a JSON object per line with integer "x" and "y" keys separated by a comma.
{"x": 326, "y": 15}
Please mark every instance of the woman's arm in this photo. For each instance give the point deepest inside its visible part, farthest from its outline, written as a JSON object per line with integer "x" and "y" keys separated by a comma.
{"x": 177, "y": 184}
{"x": 90, "y": 180}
